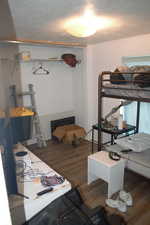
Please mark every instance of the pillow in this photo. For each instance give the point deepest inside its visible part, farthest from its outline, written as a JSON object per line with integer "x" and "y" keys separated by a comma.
{"x": 122, "y": 78}
{"x": 137, "y": 142}
{"x": 125, "y": 69}
{"x": 117, "y": 78}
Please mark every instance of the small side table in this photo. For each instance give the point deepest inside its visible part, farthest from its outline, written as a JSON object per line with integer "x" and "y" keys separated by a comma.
{"x": 113, "y": 132}
{"x": 111, "y": 171}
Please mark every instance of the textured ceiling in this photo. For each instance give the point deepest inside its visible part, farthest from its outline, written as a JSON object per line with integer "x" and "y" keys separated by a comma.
{"x": 6, "y": 23}
{"x": 42, "y": 19}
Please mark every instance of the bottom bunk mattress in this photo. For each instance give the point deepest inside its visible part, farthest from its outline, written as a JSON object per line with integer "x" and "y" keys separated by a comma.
{"x": 129, "y": 90}
{"x": 137, "y": 162}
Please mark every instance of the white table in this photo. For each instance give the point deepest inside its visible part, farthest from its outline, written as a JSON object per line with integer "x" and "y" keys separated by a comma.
{"x": 23, "y": 209}
{"x": 101, "y": 166}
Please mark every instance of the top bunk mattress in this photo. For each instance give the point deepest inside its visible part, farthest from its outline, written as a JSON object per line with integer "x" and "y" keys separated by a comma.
{"x": 127, "y": 90}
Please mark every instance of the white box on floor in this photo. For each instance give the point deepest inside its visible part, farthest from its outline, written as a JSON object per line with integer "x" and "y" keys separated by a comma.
{"x": 111, "y": 171}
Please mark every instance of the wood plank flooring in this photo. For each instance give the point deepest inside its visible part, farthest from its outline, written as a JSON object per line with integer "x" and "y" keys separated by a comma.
{"x": 72, "y": 163}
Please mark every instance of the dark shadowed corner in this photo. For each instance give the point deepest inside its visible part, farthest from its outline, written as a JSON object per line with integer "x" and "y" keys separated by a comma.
{"x": 9, "y": 75}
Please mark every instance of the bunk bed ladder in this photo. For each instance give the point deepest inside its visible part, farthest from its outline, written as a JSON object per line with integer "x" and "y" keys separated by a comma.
{"x": 36, "y": 121}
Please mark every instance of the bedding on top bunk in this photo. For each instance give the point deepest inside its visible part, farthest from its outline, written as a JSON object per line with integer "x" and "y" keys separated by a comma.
{"x": 125, "y": 78}
{"x": 123, "y": 87}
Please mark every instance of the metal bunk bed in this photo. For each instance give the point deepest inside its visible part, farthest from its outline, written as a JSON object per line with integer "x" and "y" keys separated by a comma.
{"x": 129, "y": 91}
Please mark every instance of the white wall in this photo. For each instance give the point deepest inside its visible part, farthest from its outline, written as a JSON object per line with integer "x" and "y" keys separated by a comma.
{"x": 9, "y": 73}
{"x": 107, "y": 56}
{"x": 58, "y": 94}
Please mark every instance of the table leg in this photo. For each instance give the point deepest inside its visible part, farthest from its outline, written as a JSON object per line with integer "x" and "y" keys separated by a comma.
{"x": 91, "y": 176}
{"x": 116, "y": 179}
{"x": 92, "y": 140}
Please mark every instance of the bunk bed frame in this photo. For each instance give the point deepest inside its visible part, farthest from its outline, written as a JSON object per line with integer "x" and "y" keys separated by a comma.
{"x": 108, "y": 90}
{"x": 102, "y": 92}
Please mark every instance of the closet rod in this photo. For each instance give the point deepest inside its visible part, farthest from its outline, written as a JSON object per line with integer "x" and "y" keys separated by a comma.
{"x": 42, "y": 42}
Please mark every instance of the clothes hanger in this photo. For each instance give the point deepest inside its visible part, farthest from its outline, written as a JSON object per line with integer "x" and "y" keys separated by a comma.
{"x": 40, "y": 70}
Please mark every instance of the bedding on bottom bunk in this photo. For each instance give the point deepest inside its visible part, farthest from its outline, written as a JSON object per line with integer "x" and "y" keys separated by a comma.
{"x": 138, "y": 142}
{"x": 137, "y": 162}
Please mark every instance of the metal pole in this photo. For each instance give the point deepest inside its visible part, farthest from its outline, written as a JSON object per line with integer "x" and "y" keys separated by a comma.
{"x": 138, "y": 117}
{"x": 99, "y": 111}
{"x": 13, "y": 95}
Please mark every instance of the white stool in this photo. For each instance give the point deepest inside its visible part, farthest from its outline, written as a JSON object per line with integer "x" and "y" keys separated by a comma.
{"x": 111, "y": 171}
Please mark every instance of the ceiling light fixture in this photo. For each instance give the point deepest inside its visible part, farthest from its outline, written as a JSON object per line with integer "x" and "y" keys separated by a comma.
{"x": 87, "y": 24}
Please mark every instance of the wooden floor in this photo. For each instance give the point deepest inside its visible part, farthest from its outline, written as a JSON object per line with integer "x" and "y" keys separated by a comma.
{"x": 72, "y": 163}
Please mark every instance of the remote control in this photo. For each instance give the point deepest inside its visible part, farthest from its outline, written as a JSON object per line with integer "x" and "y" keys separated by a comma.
{"x": 126, "y": 150}
{"x": 44, "y": 191}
